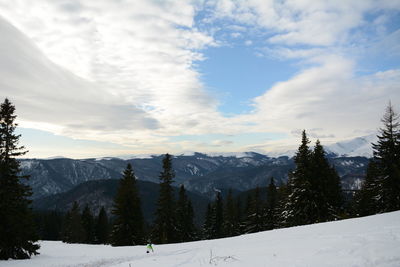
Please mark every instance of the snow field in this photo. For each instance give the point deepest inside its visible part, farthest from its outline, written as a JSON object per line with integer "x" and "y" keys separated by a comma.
{"x": 369, "y": 241}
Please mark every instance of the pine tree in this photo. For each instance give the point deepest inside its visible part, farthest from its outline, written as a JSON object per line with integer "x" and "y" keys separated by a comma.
{"x": 255, "y": 219}
{"x": 128, "y": 224}
{"x": 231, "y": 226}
{"x": 217, "y": 219}
{"x": 239, "y": 215}
{"x": 17, "y": 230}
{"x": 387, "y": 160}
{"x": 207, "y": 226}
{"x": 165, "y": 226}
{"x": 270, "y": 214}
{"x": 184, "y": 212}
{"x": 88, "y": 225}
{"x": 301, "y": 206}
{"x": 366, "y": 198}
{"x": 245, "y": 214}
{"x": 102, "y": 227}
{"x": 282, "y": 197}
{"x": 49, "y": 224}
{"x": 73, "y": 231}
{"x": 326, "y": 186}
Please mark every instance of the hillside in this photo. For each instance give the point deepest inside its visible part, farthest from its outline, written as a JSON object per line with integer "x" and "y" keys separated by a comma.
{"x": 199, "y": 173}
{"x": 100, "y": 193}
{"x": 365, "y": 242}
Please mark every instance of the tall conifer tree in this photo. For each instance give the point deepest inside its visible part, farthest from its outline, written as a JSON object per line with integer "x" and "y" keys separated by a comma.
{"x": 231, "y": 226}
{"x": 17, "y": 231}
{"x": 165, "y": 225}
{"x": 271, "y": 207}
{"x": 255, "y": 219}
{"x": 387, "y": 160}
{"x": 73, "y": 231}
{"x": 208, "y": 219}
{"x": 102, "y": 227}
{"x": 128, "y": 224}
{"x": 88, "y": 225}
{"x": 217, "y": 218}
{"x": 366, "y": 198}
{"x": 184, "y": 210}
{"x": 326, "y": 186}
{"x": 301, "y": 206}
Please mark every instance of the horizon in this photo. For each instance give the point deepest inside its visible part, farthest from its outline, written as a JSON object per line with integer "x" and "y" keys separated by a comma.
{"x": 100, "y": 79}
{"x": 359, "y": 151}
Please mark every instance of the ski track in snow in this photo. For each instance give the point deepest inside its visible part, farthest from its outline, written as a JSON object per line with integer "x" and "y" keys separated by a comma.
{"x": 362, "y": 242}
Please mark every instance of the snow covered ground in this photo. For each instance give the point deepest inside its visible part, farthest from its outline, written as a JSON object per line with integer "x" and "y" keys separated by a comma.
{"x": 368, "y": 241}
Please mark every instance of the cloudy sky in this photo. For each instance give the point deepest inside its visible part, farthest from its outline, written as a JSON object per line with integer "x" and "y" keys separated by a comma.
{"x": 107, "y": 77}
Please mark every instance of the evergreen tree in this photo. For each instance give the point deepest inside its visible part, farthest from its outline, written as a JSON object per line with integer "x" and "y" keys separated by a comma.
{"x": 207, "y": 226}
{"x": 88, "y": 225}
{"x": 239, "y": 215}
{"x": 314, "y": 190}
{"x": 270, "y": 221}
{"x": 184, "y": 211}
{"x": 387, "y": 160}
{"x": 231, "y": 226}
{"x": 326, "y": 186}
{"x": 73, "y": 229}
{"x": 102, "y": 227}
{"x": 255, "y": 221}
{"x": 165, "y": 226}
{"x": 217, "y": 219}
{"x": 49, "y": 225}
{"x": 366, "y": 198}
{"x": 301, "y": 206}
{"x": 17, "y": 230}
{"x": 282, "y": 195}
{"x": 246, "y": 213}
{"x": 128, "y": 224}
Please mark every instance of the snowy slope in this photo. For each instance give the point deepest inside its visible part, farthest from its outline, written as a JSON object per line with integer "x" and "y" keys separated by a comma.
{"x": 369, "y": 241}
{"x": 360, "y": 146}
{"x": 356, "y": 147}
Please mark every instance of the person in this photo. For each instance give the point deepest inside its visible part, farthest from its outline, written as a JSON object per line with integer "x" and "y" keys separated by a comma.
{"x": 149, "y": 247}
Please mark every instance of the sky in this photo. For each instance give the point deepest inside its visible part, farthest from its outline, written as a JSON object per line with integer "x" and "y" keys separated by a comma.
{"x": 110, "y": 78}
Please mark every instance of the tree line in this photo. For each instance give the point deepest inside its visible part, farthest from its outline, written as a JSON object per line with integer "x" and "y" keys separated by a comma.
{"x": 312, "y": 194}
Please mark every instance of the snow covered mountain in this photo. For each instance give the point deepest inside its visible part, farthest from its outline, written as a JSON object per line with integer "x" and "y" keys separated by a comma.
{"x": 356, "y": 147}
{"x": 199, "y": 173}
{"x": 360, "y": 146}
{"x": 372, "y": 241}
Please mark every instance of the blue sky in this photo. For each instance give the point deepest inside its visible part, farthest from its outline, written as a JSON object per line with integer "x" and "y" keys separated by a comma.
{"x": 236, "y": 74}
{"x": 107, "y": 78}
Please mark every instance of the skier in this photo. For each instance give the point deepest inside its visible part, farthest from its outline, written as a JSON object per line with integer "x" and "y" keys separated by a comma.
{"x": 149, "y": 247}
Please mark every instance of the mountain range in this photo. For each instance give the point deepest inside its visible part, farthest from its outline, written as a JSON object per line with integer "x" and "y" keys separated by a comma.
{"x": 199, "y": 173}
{"x": 57, "y": 182}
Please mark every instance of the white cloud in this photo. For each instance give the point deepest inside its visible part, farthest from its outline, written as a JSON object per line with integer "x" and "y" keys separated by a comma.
{"x": 248, "y": 42}
{"x": 124, "y": 71}
{"x": 328, "y": 96}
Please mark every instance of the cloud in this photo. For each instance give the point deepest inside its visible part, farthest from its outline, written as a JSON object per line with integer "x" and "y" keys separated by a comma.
{"x": 329, "y": 96}
{"x": 323, "y": 23}
{"x": 248, "y": 42}
{"x": 46, "y": 93}
{"x": 125, "y": 71}
{"x": 222, "y": 143}
{"x": 113, "y": 71}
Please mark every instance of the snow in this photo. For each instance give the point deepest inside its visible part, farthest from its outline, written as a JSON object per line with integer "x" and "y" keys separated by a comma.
{"x": 232, "y": 154}
{"x": 360, "y": 146}
{"x": 27, "y": 164}
{"x": 369, "y": 241}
